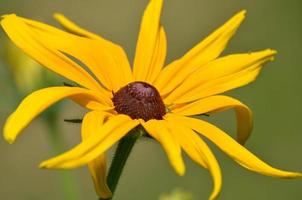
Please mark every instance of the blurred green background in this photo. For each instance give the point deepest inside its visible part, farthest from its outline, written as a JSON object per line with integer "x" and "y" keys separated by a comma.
{"x": 275, "y": 99}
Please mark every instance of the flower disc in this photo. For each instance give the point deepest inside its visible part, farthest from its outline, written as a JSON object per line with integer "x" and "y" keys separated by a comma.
{"x": 139, "y": 100}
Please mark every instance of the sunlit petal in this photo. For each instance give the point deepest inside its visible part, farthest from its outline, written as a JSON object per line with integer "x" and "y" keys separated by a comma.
{"x": 204, "y": 52}
{"x": 92, "y": 122}
{"x": 221, "y": 75}
{"x": 112, "y": 131}
{"x": 115, "y": 49}
{"x": 73, "y": 28}
{"x": 30, "y": 43}
{"x": 233, "y": 149}
{"x": 183, "y": 137}
{"x": 150, "y": 37}
{"x": 158, "y": 58}
{"x": 107, "y": 61}
{"x": 158, "y": 129}
{"x": 164, "y": 100}
{"x": 220, "y": 103}
{"x": 198, "y": 151}
{"x": 37, "y": 102}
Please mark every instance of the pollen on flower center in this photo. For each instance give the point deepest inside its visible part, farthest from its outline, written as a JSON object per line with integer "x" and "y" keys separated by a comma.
{"x": 139, "y": 100}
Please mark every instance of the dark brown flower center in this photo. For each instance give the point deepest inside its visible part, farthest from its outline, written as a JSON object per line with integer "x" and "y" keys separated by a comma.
{"x": 139, "y": 100}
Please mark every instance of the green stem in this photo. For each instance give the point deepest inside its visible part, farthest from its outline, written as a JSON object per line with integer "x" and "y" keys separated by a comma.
{"x": 66, "y": 180}
{"x": 121, "y": 155}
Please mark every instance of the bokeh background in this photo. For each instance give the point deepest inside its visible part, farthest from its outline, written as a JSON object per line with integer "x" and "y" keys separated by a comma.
{"x": 275, "y": 99}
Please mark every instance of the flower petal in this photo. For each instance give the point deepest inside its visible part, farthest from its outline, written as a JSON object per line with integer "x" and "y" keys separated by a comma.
{"x": 233, "y": 149}
{"x": 112, "y": 131}
{"x": 198, "y": 151}
{"x": 207, "y": 50}
{"x": 158, "y": 129}
{"x": 75, "y": 29}
{"x": 183, "y": 137}
{"x": 37, "y": 102}
{"x": 221, "y": 75}
{"x": 30, "y": 43}
{"x": 159, "y": 56}
{"x": 148, "y": 40}
{"x": 100, "y": 103}
{"x": 98, "y": 168}
{"x": 107, "y": 61}
{"x": 220, "y": 103}
{"x": 116, "y": 50}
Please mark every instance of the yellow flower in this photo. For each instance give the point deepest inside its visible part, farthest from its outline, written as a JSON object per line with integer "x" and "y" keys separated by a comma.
{"x": 161, "y": 99}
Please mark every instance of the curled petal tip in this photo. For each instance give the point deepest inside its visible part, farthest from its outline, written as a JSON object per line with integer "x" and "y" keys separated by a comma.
{"x": 275, "y": 51}
{"x": 295, "y": 175}
{"x": 47, "y": 165}
{"x": 240, "y": 15}
{"x": 9, "y": 140}
{"x": 181, "y": 171}
{"x": 43, "y": 165}
{"x": 57, "y": 15}
{"x": 272, "y": 53}
{"x": 243, "y": 12}
{"x": 267, "y": 54}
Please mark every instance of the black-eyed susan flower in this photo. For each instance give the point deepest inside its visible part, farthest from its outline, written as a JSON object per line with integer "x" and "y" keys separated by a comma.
{"x": 160, "y": 99}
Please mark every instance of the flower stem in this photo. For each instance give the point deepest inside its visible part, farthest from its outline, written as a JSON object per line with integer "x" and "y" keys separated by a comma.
{"x": 121, "y": 155}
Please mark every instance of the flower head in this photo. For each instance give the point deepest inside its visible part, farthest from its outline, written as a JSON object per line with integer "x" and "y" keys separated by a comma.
{"x": 161, "y": 99}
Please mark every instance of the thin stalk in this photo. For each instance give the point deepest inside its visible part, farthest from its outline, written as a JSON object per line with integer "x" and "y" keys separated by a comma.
{"x": 120, "y": 158}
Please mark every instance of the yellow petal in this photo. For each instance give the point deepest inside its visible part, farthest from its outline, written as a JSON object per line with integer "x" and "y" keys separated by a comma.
{"x": 183, "y": 137}
{"x": 37, "y": 102}
{"x": 112, "y": 131}
{"x": 148, "y": 40}
{"x": 233, "y": 149}
{"x": 158, "y": 58}
{"x": 199, "y": 151}
{"x": 158, "y": 130}
{"x": 54, "y": 60}
{"x": 220, "y": 103}
{"x": 116, "y": 50}
{"x": 107, "y": 61}
{"x": 92, "y": 123}
{"x": 206, "y": 51}
{"x": 98, "y": 168}
{"x": 100, "y": 104}
{"x": 221, "y": 75}
{"x": 73, "y": 28}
